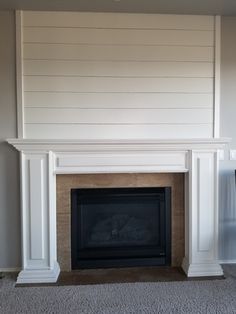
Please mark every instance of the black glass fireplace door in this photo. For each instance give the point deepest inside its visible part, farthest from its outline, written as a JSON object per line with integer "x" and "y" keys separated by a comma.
{"x": 118, "y": 227}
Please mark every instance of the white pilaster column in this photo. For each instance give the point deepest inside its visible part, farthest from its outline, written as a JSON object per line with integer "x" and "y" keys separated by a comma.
{"x": 201, "y": 225}
{"x": 38, "y": 218}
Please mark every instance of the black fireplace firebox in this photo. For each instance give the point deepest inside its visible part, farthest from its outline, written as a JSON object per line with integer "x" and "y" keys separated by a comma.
{"x": 118, "y": 227}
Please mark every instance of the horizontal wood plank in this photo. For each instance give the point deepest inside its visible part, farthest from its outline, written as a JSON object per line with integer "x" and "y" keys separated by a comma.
{"x": 117, "y": 20}
{"x": 75, "y": 131}
{"x": 114, "y": 69}
{"x": 117, "y": 100}
{"x": 91, "y": 84}
{"x": 118, "y": 116}
{"x": 118, "y": 36}
{"x": 108, "y": 75}
{"x": 117, "y": 53}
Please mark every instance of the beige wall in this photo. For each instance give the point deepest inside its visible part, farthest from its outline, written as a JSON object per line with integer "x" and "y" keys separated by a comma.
{"x": 228, "y": 79}
{"x": 227, "y": 249}
{"x": 9, "y": 173}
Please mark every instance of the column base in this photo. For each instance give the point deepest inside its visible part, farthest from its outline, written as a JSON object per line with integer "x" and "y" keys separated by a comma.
{"x": 202, "y": 269}
{"x": 39, "y": 275}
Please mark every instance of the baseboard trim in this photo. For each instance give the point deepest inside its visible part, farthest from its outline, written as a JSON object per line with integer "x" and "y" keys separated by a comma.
{"x": 228, "y": 261}
{"x": 10, "y": 270}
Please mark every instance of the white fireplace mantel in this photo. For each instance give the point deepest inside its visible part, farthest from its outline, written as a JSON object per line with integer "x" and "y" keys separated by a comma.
{"x": 41, "y": 160}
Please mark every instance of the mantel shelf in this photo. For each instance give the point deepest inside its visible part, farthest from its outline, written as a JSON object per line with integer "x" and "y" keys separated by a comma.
{"x": 117, "y": 145}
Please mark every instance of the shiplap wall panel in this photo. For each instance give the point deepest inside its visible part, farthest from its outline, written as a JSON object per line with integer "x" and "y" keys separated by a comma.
{"x": 117, "y": 100}
{"x": 104, "y": 20}
{"x": 139, "y": 131}
{"x": 49, "y": 51}
{"x": 106, "y": 75}
{"x": 117, "y": 116}
{"x": 127, "y": 69}
{"x": 118, "y": 36}
{"x": 117, "y": 84}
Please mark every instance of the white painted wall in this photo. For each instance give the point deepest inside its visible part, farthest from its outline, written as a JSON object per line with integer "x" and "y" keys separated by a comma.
{"x": 96, "y": 75}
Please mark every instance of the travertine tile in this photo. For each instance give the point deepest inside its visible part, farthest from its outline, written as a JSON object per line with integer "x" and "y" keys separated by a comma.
{"x": 64, "y": 240}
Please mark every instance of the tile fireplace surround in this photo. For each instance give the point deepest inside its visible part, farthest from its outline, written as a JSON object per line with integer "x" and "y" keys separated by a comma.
{"x": 67, "y": 182}
{"x": 42, "y": 160}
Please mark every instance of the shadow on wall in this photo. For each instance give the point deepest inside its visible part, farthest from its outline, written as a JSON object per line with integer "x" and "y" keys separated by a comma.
{"x": 227, "y": 215}
{"x": 9, "y": 207}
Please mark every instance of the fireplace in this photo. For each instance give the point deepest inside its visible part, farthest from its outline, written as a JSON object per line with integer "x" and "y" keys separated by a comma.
{"x": 117, "y": 227}
{"x": 67, "y": 182}
{"x": 43, "y": 160}
{"x": 138, "y": 118}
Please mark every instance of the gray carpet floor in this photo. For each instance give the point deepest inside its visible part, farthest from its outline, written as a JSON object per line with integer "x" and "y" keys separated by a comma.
{"x": 203, "y": 296}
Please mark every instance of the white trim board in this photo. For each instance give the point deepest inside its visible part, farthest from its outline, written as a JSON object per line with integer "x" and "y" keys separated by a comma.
{"x": 19, "y": 75}
{"x": 216, "y": 112}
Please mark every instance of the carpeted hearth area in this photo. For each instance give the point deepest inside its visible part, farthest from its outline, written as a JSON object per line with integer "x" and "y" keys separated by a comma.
{"x": 201, "y": 296}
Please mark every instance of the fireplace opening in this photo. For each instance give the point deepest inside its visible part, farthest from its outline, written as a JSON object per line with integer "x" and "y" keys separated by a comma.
{"x": 118, "y": 227}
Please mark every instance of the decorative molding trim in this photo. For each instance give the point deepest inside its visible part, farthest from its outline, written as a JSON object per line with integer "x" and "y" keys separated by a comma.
{"x": 116, "y": 145}
{"x": 216, "y": 203}
{"x": 36, "y": 204}
{"x": 23, "y": 208}
{"x": 217, "y": 76}
{"x": 19, "y": 75}
{"x": 163, "y": 161}
{"x": 52, "y": 215}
